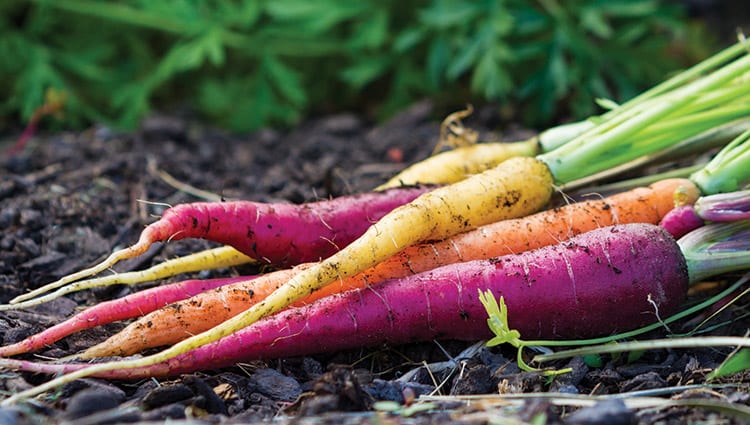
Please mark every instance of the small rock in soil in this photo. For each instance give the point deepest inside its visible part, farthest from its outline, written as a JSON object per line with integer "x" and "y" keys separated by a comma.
{"x": 166, "y": 394}
{"x": 644, "y": 381}
{"x": 93, "y": 400}
{"x": 276, "y": 385}
{"x": 13, "y": 415}
{"x": 474, "y": 379}
{"x": 607, "y": 412}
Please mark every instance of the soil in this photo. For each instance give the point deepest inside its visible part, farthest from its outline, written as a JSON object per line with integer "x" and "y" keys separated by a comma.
{"x": 70, "y": 198}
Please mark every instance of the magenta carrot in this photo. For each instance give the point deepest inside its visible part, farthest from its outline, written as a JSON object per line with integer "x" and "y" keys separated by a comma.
{"x": 600, "y": 282}
{"x": 133, "y": 305}
{"x": 277, "y": 233}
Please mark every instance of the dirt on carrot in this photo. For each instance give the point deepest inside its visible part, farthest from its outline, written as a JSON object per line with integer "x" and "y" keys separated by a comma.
{"x": 639, "y": 205}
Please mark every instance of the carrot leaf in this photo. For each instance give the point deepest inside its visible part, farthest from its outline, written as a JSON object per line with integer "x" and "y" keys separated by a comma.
{"x": 700, "y": 99}
{"x": 498, "y": 321}
{"x": 736, "y": 362}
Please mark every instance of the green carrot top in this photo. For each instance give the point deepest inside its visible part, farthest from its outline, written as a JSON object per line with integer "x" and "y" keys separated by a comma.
{"x": 659, "y": 119}
{"x": 716, "y": 248}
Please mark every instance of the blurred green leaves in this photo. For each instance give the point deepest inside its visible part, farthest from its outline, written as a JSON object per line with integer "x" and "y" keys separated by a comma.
{"x": 244, "y": 64}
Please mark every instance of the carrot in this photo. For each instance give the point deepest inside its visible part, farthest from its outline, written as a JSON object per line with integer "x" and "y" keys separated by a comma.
{"x": 466, "y": 157}
{"x": 516, "y": 187}
{"x": 276, "y": 233}
{"x": 681, "y": 221}
{"x": 200, "y": 313}
{"x": 640, "y": 205}
{"x": 604, "y": 281}
{"x": 462, "y": 162}
{"x": 133, "y": 305}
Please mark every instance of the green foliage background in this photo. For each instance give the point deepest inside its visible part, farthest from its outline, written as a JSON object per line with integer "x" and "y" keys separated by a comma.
{"x": 243, "y": 64}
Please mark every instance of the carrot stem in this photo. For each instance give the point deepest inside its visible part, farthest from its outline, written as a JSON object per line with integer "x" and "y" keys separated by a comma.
{"x": 716, "y": 248}
{"x": 728, "y": 170}
{"x": 613, "y": 141}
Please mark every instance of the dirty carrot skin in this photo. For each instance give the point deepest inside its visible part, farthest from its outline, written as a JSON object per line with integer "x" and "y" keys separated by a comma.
{"x": 277, "y": 233}
{"x": 655, "y": 204}
{"x": 461, "y": 162}
{"x": 516, "y": 187}
{"x": 174, "y": 323}
{"x": 597, "y": 283}
{"x": 437, "y": 216}
{"x": 130, "y": 306}
{"x": 464, "y": 161}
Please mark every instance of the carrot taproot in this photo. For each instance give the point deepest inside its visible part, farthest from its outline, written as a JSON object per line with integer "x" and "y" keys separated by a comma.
{"x": 223, "y": 256}
{"x": 130, "y": 306}
{"x": 459, "y": 163}
{"x": 275, "y": 233}
{"x": 607, "y": 144}
{"x": 208, "y": 309}
{"x": 601, "y": 282}
{"x": 681, "y": 220}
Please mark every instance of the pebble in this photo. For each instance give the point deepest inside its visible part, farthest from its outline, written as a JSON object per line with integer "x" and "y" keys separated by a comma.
{"x": 166, "y": 394}
{"x": 92, "y": 400}
{"x": 607, "y": 412}
{"x": 13, "y": 415}
{"x": 276, "y": 385}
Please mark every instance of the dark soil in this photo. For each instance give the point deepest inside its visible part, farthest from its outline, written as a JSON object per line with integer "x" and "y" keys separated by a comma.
{"x": 70, "y": 198}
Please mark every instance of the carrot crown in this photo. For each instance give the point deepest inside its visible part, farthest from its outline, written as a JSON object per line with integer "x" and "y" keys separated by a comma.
{"x": 716, "y": 248}
{"x": 698, "y": 100}
{"x": 724, "y": 207}
{"x": 729, "y": 170}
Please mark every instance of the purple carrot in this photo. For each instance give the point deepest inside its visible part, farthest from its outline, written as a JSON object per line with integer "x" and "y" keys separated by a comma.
{"x": 719, "y": 208}
{"x": 276, "y": 233}
{"x": 279, "y": 234}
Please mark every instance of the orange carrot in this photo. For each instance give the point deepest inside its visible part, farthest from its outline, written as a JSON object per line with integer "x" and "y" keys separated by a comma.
{"x": 180, "y": 320}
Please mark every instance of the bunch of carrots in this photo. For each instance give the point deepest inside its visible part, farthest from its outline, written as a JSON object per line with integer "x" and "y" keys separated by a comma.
{"x": 410, "y": 260}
